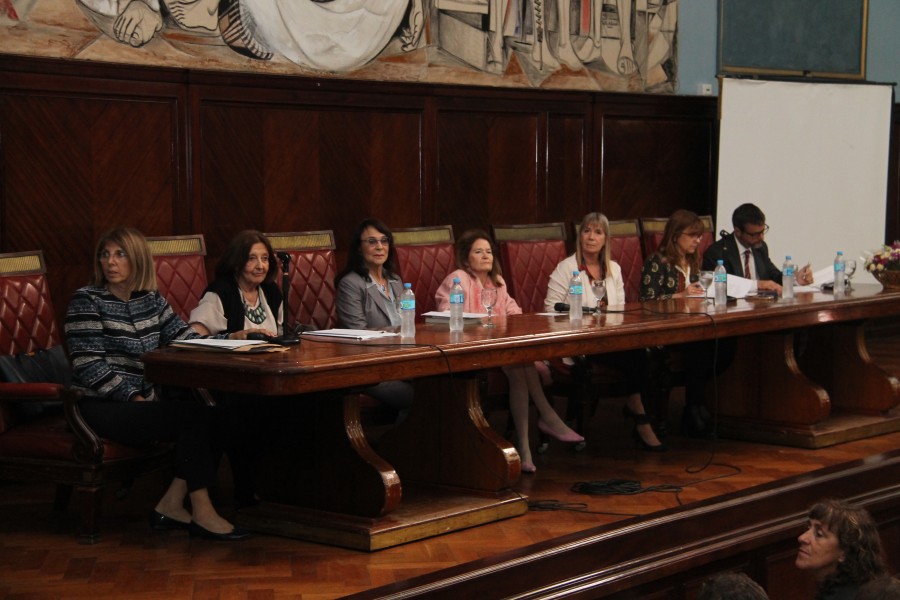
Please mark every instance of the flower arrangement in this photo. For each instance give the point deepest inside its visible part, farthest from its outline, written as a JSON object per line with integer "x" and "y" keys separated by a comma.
{"x": 886, "y": 259}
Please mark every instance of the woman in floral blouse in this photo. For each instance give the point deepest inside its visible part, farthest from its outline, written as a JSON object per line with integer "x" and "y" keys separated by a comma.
{"x": 673, "y": 270}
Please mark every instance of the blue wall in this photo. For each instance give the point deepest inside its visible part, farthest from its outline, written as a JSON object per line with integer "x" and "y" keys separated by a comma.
{"x": 698, "y": 38}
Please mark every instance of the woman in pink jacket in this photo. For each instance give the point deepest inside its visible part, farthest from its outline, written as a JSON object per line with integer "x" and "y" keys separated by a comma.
{"x": 477, "y": 270}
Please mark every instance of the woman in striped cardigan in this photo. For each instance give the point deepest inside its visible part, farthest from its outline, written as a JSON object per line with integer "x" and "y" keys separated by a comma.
{"x": 110, "y": 324}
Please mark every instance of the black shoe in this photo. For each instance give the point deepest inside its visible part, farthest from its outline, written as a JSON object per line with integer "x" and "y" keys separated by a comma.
{"x": 160, "y": 522}
{"x": 641, "y": 419}
{"x": 235, "y": 535}
{"x": 695, "y": 422}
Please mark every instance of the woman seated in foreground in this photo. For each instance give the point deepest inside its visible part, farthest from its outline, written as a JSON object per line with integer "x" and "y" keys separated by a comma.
{"x": 592, "y": 259}
{"x": 841, "y": 548}
{"x": 476, "y": 270}
{"x": 109, "y": 325}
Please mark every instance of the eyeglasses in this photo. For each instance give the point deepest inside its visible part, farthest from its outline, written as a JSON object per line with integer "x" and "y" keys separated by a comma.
{"x": 118, "y": 255}
{"x": 696, "y": 236}
{"x": 756, "y": 234}
{"x": 372, "y": 242}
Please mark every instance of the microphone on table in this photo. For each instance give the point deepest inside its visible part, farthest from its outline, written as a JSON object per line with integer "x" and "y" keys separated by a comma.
{"x": 287, "y": 337}
{"x": 563, "y": 307}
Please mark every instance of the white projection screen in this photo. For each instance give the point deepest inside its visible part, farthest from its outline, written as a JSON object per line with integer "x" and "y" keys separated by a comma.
{"x": 814, "y": 158}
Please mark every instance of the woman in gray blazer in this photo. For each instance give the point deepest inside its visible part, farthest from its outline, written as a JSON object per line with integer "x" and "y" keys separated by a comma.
{"x": 368, "y": 297}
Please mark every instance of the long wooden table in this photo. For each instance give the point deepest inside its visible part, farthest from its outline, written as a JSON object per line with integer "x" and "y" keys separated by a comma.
{"x": 444, "y": 468}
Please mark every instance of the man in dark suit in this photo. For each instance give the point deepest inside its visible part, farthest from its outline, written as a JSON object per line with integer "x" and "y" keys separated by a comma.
{"x": 745, "y": 253}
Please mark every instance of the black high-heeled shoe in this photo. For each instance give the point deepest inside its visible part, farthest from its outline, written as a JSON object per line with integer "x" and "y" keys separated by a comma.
{"x": 641, "y": 419}
{"x": 695, "y": 422}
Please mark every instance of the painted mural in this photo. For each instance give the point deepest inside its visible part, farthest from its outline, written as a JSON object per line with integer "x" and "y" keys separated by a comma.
{"x": 608, "y": 45}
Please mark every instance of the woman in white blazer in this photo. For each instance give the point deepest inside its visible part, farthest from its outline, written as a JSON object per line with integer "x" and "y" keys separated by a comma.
{"x": 592, "y": 259}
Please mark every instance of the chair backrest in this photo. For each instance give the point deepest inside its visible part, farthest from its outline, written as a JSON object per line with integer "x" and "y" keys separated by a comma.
{"x": 625, "y": 249}
{"x": 528, "y": 255}
{"x": 27, "y": 321}
{"x": 709, "y": 234}
{"x": 425, "y": 256}
{"x": 180, "y": 262}
{"x": 652, "y": 232}
{"x": 311, "y": 299}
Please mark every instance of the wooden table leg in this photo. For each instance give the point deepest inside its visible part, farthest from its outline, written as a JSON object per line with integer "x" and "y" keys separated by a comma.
{"x": 764, "y": 383}
{"x": 324, "y": 483}
{"x": 446, "y": 440}
{"x": 322, "y": 460}
{"x": 837, "y": 358}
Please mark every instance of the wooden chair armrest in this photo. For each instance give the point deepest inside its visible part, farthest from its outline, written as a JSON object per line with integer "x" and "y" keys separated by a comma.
{"x": 31, "y": 392}
{"x": 89, "y": 448}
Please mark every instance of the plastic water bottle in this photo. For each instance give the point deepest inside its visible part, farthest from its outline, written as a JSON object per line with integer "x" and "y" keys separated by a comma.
{"x": 787, "y": 278}
{"x": 720, "y": 281}
{"x": 839, "y": 271}
{"x": 457, "y": 303}
{"x": 576, "y": 294}
{"x": 407, "y": 312}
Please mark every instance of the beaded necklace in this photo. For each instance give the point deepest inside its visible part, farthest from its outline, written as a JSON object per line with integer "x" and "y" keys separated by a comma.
{"x": 255, "y": 315}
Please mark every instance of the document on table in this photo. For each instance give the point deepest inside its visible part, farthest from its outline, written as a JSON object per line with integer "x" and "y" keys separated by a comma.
{"x": 352, "y": 334}
{"x": 219, "y": 345}
{"x": 443, "y": 316}
{"x": 821, "y": 278}
{"x": 738, "y": 287}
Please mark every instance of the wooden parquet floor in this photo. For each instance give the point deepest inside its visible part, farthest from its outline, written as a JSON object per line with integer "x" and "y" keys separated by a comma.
{"x": 40, "y": 559}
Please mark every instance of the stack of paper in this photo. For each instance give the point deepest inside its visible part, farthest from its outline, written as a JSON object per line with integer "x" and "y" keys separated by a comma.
{"x": 352, "y": 334}
{"x": 443, "y": 316}
{"x": 228, "y": 345}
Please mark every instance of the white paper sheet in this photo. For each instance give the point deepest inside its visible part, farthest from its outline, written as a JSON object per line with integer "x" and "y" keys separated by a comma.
{"x": 352, "y": 334}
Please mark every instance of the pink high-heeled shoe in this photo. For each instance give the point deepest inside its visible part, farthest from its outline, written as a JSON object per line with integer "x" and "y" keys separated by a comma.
{"x": 528, "y": 467}
{"x": 570, "y": 436}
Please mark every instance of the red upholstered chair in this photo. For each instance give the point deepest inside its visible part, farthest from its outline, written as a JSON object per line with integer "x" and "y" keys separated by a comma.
{"x": 652, "y": 232}
{"x": 58, "y": 446}
{"x": 426, "y": 257}
{"x": 528, "y": 255}
{"x": 180, "y": 262}
{"x": 625, "y": 249}
{"x": 709, "y": 234}
{"x": 312, "y": 297}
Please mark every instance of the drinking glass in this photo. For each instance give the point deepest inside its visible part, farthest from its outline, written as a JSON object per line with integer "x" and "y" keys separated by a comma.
{"x": 849, "y": 270}
{"x": 598, "y": 286}
{"x": 706, "y": 279}
{"x": 488, "y": 300}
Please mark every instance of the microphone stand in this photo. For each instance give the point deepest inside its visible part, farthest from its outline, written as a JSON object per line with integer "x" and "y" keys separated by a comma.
{"x": 287, "y": 337}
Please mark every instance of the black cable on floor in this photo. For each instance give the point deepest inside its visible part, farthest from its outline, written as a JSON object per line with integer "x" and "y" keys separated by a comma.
{"x": 620, "y": 487}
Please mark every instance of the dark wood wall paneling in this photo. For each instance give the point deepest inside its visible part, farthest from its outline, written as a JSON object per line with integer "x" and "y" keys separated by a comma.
{"x": 89, "y": 146}
{"x": 82, "y": 154}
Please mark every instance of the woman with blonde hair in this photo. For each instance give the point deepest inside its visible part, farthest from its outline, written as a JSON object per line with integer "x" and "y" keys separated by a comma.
{"x": 110, "y": 324}
{"x": 593, "y": 260}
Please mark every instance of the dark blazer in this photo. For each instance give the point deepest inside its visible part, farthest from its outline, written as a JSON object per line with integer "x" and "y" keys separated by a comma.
{"x": 727, "y": 250}
{"x": 360, "y": 305}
